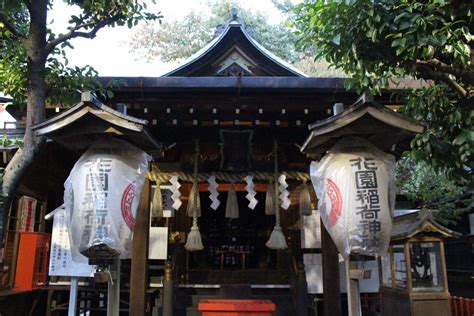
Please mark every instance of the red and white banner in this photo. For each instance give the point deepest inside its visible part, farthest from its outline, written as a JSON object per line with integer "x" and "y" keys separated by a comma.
{"x": 27, "y": 213}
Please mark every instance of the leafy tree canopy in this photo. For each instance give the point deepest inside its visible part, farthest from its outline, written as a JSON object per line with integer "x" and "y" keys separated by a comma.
{"x": 420, "y": 183}
{"x": 62, "y": 81}
{"x": 178, "y": 40}
{"x": 376, "y": 41}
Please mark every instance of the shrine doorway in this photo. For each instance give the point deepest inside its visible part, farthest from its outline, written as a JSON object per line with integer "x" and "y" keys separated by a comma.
{"x": 234, "y": 248}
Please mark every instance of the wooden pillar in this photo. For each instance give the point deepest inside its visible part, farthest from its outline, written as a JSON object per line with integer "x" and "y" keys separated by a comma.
{"x": 49, "y": 302}
{"x": 330, "y": 261}
{"x": 139, "y": 270}
{"x": 73, "y": 289}
{"x": 302, "y": 299}
{"x": 113, "y": 289}
{"x": 353, "y": 292}
{"x": 168, "y": 289}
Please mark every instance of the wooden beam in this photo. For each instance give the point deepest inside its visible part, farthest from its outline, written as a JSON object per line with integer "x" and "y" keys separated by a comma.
{"x": 139, "y": 269}
{"x": 330, "y": 261}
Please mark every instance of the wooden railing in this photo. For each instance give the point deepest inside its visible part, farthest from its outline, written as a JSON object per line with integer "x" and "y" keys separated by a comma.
{"x": 461, "y": 306}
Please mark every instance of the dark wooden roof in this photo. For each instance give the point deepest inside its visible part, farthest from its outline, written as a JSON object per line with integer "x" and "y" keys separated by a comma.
{"x": 409, "y": 225}
{"x": 234, "y": 37}
{"x": 277, "y": 83}
{"x": 242, "y": 84}
{"x": 381, "y": 126}
{"x": 77, "y": 127}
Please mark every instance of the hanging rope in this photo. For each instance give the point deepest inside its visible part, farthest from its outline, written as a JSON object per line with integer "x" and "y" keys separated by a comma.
{"x": 277, "y": 239}
{"x": 269, "y": 199}
{"x": 232, "y": 205}
{"x": 157, "y": 202}
{"x": 194, "y": 201}
{"x": 194, "y": 240}
{"x": 164, "y": 177}
{"x": 305, "y": 200}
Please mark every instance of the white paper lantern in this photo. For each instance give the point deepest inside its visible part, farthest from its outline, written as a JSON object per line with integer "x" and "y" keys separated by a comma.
{"x": 101, "y": 197}
{"x": 356, "y": 194}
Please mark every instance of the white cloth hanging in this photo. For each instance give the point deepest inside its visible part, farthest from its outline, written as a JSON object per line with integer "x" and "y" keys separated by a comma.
{"x": 232, "y": 206}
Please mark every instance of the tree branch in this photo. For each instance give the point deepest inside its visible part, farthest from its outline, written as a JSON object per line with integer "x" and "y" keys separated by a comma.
{"x": 95, "y": 27}
{"x": 437, "y": 65}
{"x": 441, "y": 76}
{"x": 10, "y": 27}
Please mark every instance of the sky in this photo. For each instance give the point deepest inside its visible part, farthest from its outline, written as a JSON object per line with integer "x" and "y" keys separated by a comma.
{"x": 108, "y": 52}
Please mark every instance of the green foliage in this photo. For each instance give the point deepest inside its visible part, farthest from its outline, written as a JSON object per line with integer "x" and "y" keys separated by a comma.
{"x": 62, "y": 81}
{"x": 376, "y": 41}
{"x": 447, "y": 143}
{"x": 7, "y": 142}
{"x": 432, "y": 190}
{"x": 316, "y": 68}
{"x": 171, "y": 40}
{"x": 178, "y": 40}
{"x": 2, "y": 195}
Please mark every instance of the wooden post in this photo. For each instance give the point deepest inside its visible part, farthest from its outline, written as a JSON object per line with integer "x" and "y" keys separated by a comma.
{"x": 302, "y": 300}
{"x": 16, "y": 242}
{"x": 353, "y": 293}
{"x": 168, "y": 288}
{"x": 72, "y": 308}
{"x": 113, "y": 290}
{"x": 49, "y": 301}
{"x": 139, "y": 270}
{"x": 330, "y": 261}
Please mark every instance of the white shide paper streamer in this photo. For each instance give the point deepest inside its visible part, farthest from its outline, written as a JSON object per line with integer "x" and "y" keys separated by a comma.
{"x": 213, "y": 190}
{"x": 284, "y": 194}
{"x": 250, "y": 188}
{"x": 176, "y": 194}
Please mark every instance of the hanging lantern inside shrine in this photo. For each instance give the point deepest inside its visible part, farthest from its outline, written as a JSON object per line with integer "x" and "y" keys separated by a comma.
{"x": 356, "y": 194}
{"x": 101, "y": 197}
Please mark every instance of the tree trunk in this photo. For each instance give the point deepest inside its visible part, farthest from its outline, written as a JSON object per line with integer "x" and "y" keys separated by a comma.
{"x": 36, "y": 113}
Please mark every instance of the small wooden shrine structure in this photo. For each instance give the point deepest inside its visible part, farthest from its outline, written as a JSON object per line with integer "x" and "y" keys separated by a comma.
{"x": 237, "y": 99}
{"x": 413, "y": 275}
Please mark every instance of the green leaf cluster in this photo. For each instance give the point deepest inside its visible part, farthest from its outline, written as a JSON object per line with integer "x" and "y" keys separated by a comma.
{"x": 63, "y": 82}
{"x": 177, "y": 40}
{"x": 432, "y": 190}
{"x": 376, "y": 42}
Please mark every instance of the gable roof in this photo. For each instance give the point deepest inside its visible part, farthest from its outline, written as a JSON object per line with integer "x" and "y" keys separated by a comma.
{"x": 234, "y": 37}
{"x": 381, "y": 126}
{"x": 407, "y": 226}
{"x": 77, "y": 127}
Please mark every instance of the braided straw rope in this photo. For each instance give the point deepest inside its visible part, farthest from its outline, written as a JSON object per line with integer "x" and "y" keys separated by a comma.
{"x": 163, "y": 177}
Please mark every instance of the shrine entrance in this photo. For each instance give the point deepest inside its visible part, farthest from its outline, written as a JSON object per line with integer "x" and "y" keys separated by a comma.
{"x": 235, "y": 250}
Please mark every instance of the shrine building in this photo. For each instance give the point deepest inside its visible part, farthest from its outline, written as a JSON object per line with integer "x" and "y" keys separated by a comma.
{"x": 232, "y": 119}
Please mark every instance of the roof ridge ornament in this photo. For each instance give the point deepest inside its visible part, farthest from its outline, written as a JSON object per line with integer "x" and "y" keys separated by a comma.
{"x": 234, "y": 20}
{"x": 234, "y": 12}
